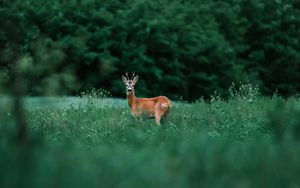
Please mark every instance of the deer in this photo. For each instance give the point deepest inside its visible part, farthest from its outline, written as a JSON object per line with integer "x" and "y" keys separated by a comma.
{"x": 145, "y": 108}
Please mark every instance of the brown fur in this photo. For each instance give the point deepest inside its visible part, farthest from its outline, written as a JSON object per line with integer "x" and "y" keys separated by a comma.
{"x": 142, "y": 108}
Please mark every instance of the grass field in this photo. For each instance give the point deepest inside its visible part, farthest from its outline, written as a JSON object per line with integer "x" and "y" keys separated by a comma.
{"x": 245, "y": 141}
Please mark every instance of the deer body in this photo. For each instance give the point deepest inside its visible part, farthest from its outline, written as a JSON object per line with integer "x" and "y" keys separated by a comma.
{"x": 145, "y": 108}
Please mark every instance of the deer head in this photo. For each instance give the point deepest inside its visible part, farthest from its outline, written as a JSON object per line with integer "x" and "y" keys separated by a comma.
{"x": 130, "y": 82}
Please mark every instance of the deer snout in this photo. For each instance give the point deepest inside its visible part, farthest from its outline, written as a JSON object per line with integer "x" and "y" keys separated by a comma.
{"x": 129, "y": 88}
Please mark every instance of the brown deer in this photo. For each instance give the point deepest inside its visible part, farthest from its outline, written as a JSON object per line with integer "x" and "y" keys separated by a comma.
{"x": 144, "y": 108}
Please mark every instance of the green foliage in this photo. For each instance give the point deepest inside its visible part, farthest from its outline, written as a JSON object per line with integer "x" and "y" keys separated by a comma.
{"x": 246, "y": 140}
{"x": 273, "y": 44}
{"x": 183, "y": 49}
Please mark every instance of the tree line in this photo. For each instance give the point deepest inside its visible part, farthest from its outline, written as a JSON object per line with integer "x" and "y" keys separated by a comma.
{"x": 180, "y": 48}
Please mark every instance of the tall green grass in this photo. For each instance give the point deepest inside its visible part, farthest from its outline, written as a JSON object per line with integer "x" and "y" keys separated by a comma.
{"x": 244, "y": 141}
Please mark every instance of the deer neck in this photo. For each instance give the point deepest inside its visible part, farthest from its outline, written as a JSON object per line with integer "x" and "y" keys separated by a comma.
{"x": 131, "y": 97}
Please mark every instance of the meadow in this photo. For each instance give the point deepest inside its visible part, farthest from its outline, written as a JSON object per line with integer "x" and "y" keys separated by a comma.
{"x": 246, "y": 140}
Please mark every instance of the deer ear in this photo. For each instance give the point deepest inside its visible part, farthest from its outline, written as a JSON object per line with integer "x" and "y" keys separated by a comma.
{"x": 135, "y": 79}
{"x": 124, "y": 79}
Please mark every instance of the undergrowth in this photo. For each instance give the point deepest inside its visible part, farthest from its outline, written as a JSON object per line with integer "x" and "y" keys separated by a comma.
{"x": 244, "y": 141}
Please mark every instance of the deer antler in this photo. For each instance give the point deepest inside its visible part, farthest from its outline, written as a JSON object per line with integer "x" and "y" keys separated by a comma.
{"x": 133, "y": 75}
{"x": 126, "y": 74}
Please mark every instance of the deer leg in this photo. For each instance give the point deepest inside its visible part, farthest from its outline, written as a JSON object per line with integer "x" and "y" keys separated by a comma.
{"x": 157, "y": 118}
{"x": 157, "y": 114}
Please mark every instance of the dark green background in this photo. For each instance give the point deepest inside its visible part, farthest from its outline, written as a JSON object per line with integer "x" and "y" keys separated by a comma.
{"x": 180, "y": 48}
